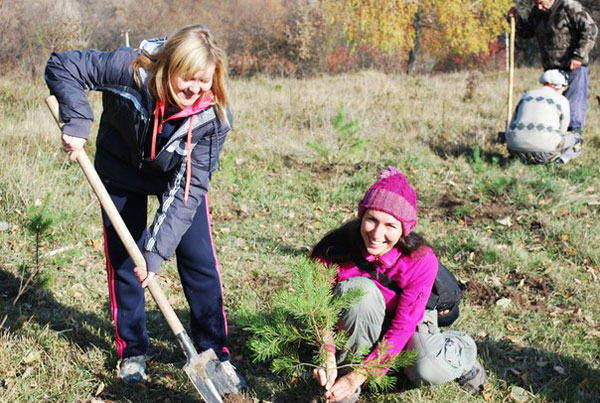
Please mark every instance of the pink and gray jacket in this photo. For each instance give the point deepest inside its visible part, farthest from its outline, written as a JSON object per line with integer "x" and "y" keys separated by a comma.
{"x": 415, "y": 275}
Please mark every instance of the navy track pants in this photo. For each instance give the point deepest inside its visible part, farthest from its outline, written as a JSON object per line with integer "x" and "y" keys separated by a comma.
{"x": 198, "y": 270}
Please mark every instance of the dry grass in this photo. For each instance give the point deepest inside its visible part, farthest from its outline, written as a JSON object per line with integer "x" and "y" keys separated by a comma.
{"x": 528, "y": 234}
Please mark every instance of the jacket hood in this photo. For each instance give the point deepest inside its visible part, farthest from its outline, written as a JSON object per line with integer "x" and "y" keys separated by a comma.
{"x": 153, "y": 44}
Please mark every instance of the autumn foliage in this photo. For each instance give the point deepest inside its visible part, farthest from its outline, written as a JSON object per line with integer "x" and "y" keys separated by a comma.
{"x": 277, "y": 37}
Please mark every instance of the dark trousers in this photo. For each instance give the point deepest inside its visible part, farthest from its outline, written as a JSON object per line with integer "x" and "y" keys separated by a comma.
{"x": 198, "y": 270}
{"x": 577, "y": 95}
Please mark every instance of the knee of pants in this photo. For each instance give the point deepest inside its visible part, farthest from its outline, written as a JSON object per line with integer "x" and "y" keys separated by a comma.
{"x": 442, "y": 356}
{"x": 364, "y": 320}
{"x": 371, "y": 305}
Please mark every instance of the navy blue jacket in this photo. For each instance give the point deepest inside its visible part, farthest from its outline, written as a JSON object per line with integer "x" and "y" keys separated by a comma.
{"x": 124, "y": 127}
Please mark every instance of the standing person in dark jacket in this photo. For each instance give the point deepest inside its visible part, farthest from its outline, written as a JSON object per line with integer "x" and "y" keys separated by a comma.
{"x": 163, "y": 125}
{"x": 566, "y": 33}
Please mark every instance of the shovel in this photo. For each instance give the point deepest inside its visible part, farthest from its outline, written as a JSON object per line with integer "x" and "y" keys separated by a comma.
{"x": 511, "y": 77}
{"x": 204, "y": 370}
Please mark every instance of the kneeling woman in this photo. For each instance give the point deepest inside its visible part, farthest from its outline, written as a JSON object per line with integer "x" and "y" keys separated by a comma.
{"x": 379, "y": 253}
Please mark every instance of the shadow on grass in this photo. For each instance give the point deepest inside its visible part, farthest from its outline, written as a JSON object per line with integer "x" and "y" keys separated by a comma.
{"x": 545, "y": 374}
{"x": 282, "y": 249}
{"x": 39, "y": 306}
{"x": 445, "y": 150}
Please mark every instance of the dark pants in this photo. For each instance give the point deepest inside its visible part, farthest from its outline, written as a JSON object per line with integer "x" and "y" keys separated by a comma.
{"x": 198, "y": 270}
{"x": 577, "y": 95}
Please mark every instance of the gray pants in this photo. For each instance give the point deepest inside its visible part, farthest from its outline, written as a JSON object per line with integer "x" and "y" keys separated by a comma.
{"x": 570, "y": 148}
{"x": 442, "y": 356}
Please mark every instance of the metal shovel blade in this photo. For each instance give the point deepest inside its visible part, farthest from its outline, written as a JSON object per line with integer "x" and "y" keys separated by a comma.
{"x": 196, "y": 369}
{"x": 209, "y": 377}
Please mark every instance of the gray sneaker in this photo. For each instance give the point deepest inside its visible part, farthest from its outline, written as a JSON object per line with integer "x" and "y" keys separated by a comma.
{"x": 133, "y": 369}
{"x": 473, "y": 380}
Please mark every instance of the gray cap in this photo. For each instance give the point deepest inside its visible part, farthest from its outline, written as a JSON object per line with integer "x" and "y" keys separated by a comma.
{"x": 554, "y": 77}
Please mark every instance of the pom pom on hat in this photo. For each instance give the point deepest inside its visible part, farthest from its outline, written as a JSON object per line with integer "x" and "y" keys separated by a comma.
{"x": 392, "y": 194}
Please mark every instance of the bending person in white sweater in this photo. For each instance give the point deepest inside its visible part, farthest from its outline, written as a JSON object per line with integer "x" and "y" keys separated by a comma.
{"x": 538, "y": 131}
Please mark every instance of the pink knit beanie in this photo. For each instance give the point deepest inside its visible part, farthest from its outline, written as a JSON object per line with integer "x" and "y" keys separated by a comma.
{"x": 392, "y": 194}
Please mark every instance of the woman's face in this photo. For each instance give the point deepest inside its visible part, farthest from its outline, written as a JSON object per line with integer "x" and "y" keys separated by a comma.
{"x": 189, "y": 88}
{"x": 380, "y": 232}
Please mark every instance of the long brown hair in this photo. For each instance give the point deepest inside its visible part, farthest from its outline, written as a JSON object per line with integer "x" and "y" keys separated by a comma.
{"x": 189, "y": 50}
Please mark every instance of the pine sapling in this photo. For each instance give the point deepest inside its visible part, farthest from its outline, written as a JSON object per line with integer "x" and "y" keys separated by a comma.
{"x": 299, "y": 327}
{"x": 39, "y": 221}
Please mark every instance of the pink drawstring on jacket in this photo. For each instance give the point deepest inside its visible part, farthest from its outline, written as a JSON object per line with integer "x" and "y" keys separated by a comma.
{"x": 205, "y": 101}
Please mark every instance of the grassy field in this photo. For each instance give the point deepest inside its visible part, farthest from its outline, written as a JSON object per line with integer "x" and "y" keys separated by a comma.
{"x": 523, "y": 240}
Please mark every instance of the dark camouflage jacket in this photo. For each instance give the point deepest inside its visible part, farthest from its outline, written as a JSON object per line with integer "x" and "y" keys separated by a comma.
{"x": 565, "y": 32}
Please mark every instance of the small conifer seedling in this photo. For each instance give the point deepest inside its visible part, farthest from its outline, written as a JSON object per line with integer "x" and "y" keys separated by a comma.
{"x": 301, "y": 321}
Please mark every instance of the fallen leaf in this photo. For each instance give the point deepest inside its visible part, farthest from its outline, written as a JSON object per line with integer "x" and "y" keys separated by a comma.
{"x": 33, "y": 356}
{"x": 504, "y": 303}
{"x": 559, "y": 369}
{"x": 100, "y": 389}
{"x": 514, "y": 371}
{"x": 506, "y": 221}
{"x": 518, "y": 395}
{"x": 524, "y": 378}
{"x": 589, "y": 319}
{"x": 496, "y": 281}
{"x": 514, "y": 340}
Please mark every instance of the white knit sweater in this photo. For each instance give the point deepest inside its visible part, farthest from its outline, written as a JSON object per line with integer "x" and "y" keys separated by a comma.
{"x": 541, "y": 118}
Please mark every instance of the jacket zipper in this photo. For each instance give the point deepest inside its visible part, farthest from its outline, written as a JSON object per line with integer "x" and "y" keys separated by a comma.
{"x": 142, "y": 143}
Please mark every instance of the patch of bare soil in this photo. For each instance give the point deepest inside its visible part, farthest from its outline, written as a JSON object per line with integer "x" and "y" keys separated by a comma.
{"x": 237, "y": 398}
{"x": 491, "y": 211}
{"x": 523, "y": 290}
{"x": 449, "y": 204}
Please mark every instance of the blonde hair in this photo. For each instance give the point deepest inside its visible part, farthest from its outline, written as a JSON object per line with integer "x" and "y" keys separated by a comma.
{"x": 189, "y": 50}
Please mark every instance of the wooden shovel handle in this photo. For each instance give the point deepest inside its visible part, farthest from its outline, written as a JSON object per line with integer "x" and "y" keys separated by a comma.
{"x": 119, "y": 225}
{"x": 511, "y": 71}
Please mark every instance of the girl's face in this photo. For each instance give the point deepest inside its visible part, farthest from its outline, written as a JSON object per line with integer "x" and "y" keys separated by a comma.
{"x": 380, "y": 232}
{"x": 189, "y": 88}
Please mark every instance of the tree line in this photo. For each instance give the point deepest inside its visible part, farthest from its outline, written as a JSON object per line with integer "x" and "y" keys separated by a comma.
{"x": 277, "y": 37}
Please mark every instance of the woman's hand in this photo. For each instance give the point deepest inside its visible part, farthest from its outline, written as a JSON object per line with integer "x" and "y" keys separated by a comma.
{"x": 326, "y": 376}
{"x": 73, "y": 145}
{"x": 144, "y": 276}
{"x": 345, "y": 386}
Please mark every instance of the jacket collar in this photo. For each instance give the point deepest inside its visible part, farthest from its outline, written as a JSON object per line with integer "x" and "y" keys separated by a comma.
{"x": 387, "y": 260}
